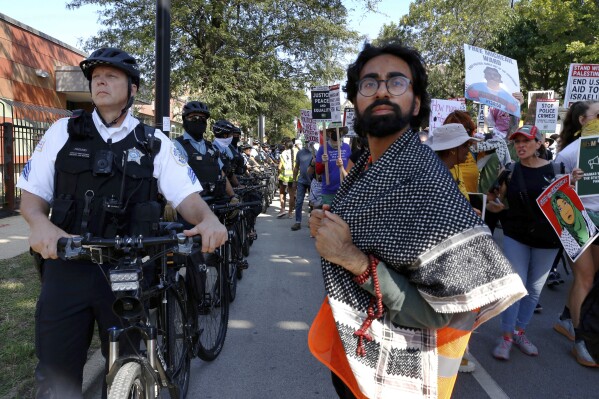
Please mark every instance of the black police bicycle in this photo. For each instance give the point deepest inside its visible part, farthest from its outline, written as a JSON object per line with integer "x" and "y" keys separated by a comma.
{"x": 168, "y": 297}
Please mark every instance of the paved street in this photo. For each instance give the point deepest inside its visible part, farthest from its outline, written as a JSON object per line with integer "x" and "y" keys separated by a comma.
{"x": 266, "y": 354}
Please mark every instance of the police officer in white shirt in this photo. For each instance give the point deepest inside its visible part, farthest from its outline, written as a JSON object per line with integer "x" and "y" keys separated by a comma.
{"x": 75, "y": 170}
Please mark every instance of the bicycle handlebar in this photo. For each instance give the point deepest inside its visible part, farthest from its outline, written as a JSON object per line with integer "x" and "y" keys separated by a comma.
{"x": 75, "y": 247}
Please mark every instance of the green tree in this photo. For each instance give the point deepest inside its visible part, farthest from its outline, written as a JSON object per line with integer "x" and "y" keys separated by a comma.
{"x": 244, "y": 58}
{"x": 440, "y": 28}
{"x": 545, "y": 36}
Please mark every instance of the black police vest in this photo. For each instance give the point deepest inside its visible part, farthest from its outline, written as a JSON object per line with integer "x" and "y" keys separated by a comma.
{"x": 205, "y": 167}
{"x": 106, "y": 189}
{"x": 237, "y": 163}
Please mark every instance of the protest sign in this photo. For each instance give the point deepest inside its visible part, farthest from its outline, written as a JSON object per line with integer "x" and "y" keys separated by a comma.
{"x": 583, "y": 83}
{"x": 533, "y": 97}
{"x": 321, "y": 107}
{"x": 439, "y": 111}
{"x": 546, "y": 117}
{"x": 566, "y": 214}
{"x": 491, "y": 78}
{"x": 335, "y": 103}
{"x": 309, "y": 127}
{"x": 588, "y": 161}
{"x": 348, "y": 120}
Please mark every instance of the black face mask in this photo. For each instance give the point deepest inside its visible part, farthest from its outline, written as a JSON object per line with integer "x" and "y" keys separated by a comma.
{"x": 235, "y": 141}
{"x": 196, "y": 129}
{"x": 334, "y": 136}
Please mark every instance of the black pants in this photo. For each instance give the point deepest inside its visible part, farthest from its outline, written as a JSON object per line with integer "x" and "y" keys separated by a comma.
{"x": 74, "y": 296}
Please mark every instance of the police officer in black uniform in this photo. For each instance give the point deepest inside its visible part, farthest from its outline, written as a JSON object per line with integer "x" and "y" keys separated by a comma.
{"x": 99, "y": 173}
{"x": 223, "y": 138}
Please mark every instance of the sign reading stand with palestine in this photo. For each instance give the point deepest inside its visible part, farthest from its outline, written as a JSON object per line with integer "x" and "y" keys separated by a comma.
{"x": 583, "y": 83}
{"x": 321, "y": 105}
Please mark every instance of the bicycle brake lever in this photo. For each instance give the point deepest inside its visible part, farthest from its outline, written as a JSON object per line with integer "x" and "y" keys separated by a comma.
{"x": 184, "y": 244}
{"x": 73, "y": 248}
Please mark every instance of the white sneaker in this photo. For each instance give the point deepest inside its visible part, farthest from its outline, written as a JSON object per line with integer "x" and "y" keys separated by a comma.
{"x": 565, "y": 327}
{"x": 522, "y": 342}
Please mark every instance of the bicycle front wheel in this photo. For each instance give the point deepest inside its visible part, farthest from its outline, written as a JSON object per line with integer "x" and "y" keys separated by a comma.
{"x": 213, "y": 312}
{"x": 127, "y": 383}
{"x": 177, "y": 333}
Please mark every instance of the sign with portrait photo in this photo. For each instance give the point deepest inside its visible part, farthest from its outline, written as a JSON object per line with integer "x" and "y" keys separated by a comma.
{"x": 491, "y": 78}
{"x": 566, "y": 214}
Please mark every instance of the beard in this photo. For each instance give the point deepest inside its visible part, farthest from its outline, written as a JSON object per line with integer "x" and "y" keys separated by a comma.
{"x": 384, "y": 125}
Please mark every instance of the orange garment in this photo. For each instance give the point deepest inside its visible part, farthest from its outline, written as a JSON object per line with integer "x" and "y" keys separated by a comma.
{"x": 326, "y": 346}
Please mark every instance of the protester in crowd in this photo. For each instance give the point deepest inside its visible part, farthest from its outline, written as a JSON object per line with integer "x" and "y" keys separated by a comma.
{"x": 452, "y": 144}
{"x": 393, "y": 241}
{"x": 529, "y": 242}
{"x": 286, "y": 178}
{"x": 60, "y": 175}
{"x": 579, "y": 115}
{"x": 360, "y": 146}
{"x": 467, "y": 171}
{"x": 303, "y": 160}
{"x": 549, "y": 152}
{"x": 336, "y": 163}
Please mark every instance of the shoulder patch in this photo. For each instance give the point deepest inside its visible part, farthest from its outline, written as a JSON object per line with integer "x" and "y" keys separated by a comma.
{"x": 178, "y": 156}
{"x": 40, "y": 146}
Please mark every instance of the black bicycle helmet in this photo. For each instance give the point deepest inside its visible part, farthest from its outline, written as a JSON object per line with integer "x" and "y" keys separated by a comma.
{"x": 245, "y": 146}
{"x": 222, "y": 127}
{"x": 113, "y": 57}
{"x": 196, "y": 106}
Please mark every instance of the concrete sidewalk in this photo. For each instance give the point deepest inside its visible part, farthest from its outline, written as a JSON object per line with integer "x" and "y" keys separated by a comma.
{"x": 14, "y": 240}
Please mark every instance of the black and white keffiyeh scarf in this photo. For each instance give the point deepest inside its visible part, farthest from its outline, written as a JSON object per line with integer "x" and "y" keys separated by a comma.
{"x": 406, "y": 210}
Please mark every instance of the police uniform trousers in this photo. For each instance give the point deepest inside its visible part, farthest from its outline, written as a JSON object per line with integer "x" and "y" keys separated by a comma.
{"x": 74, "y": 295}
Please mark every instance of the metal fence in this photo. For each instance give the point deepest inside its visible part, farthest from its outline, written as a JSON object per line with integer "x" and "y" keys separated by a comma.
{"x": 22, "y": 127}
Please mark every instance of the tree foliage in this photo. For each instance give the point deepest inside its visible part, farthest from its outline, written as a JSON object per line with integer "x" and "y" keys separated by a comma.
{"x": 243, "y": 57}
{"x": 439, "y": 29}
{"x": 544, "y": 36}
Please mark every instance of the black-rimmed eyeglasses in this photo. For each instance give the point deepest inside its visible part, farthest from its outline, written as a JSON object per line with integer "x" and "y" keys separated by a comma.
{"x": 396, "y": 86}
{"x": 195, "y": 118}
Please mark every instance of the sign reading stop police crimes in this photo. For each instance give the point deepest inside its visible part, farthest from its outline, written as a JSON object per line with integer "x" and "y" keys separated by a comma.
{"x": 583, "y": 83}
{"x": 321, "y": 105}
{"x": 546, "y": 118}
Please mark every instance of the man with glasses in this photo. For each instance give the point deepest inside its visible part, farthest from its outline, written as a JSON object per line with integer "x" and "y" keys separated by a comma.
{"x": 408, "y": 267}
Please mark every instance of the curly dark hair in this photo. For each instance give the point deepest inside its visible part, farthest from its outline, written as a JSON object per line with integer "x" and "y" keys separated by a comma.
{"x": 419, "y": 76}
{"x": 572, "y": 124}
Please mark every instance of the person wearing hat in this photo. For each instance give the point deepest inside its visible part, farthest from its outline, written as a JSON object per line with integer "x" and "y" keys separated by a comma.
{"x": 73, "y": 172}
{"x": 337, "y": 163}
{"x": 530, "y": 243}
{"x": 249, "y": 161}
{"x": 451, "y": 142}
{"x": 548, "y": 143}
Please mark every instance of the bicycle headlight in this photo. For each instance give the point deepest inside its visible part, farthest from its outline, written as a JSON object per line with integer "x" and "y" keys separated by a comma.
{"x": 125, "y": 280}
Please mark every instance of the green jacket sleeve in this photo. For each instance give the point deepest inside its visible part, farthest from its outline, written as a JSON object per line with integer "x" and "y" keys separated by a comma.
{"x": 404, "y": 303}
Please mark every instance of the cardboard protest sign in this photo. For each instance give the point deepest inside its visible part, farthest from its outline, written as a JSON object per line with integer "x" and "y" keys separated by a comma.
{"x": 583, "y": 83}
{"x": 533, "y": 97}
{"x": 348, "y": 121}
{"x": 566, "y": 214}
{"x": 439, "y": 111}
{"x": 335, "y": 103}
{"x": 491, "y": 78}
{"x": 321, "y": 107}
{"x": 309, "y": 126}
{"x": 546, "y": 117}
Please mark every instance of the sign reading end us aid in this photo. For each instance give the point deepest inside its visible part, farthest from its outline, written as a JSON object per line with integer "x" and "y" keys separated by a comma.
{"x": 321, "y": 105}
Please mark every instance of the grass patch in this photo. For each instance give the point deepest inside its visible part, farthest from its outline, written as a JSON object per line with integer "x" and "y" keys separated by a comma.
{"x": 19, "y": 290}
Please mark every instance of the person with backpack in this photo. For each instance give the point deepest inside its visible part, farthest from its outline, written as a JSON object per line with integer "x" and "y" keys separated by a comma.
{"x": 98, "y": 173}
{"x": 530, "y": 243}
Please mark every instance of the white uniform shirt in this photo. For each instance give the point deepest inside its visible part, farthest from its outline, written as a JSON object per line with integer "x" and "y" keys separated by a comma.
{"x": 569, "y": 156}
{"x": 175, "y": 178}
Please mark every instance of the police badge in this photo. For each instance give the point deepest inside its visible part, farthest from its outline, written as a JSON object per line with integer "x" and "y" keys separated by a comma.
{"x": 134, "y": 155}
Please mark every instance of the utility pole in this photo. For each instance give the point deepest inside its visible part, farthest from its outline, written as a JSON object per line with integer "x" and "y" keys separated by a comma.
{"x": 163, "y": 66}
